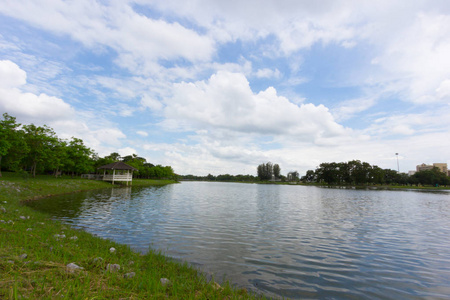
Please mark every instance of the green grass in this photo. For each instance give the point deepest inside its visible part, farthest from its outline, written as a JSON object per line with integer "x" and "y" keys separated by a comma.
{"x": 42, "y": 274}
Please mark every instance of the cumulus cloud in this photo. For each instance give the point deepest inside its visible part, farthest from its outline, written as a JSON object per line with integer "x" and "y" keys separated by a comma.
{"x": 28, "y": 106}
{"x": 226, "y": 101}
{"x": 52, "y": 111}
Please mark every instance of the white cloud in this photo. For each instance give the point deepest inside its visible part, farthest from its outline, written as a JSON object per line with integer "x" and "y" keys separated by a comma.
{"x": 226, "y": 101}
{"x": 11, "y": 75}
{"x": 142, "y": 133}
{"x": 126, "y": 151}
{"x": 151, "y": 103}
{"x": 135, "y": 37}
{"x": 268, "y": 73}
{"x": 27, "y": 105}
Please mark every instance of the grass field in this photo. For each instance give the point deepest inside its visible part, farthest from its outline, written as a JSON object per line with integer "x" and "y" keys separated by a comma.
{"x": 35, "y": 252}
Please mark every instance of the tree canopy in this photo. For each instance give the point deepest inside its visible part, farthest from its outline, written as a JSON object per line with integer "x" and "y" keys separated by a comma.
{"x": 37, "y": 149}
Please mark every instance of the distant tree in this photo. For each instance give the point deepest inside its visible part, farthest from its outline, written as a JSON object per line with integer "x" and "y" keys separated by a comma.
{"x": 265, "y": 171}
{"x": 310, "y": 176}
{"x": 276, "y": 170}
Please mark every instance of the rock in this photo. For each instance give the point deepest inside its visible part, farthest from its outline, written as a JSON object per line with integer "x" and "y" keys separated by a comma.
{"x": 112, "y": 249}
{"x": 98, "y": 259}
{"x": 129, "y": 275}
{"x": 23, "y": 217}
{"x": 72, "y": 267}
{"x": 112, "y": 268}
{"x": 59, "y": 236}
{"x": 23, "y": 256}
{"x": 216, "y": 286}
{"x": 164, "y": 281}
{"x": 74, "y": 238}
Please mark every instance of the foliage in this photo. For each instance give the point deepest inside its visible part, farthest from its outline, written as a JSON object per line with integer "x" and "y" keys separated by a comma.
{"x": 265, "y": 171}
{"x": 37, "y": 149}
{"x": 356, "y": 172}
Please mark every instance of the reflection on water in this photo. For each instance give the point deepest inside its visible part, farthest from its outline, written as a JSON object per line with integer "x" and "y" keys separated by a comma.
{"x": 291, "y": 241}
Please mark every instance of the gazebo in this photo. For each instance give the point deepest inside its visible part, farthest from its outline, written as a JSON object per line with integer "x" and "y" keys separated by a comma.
{"x": 118, "y": 172}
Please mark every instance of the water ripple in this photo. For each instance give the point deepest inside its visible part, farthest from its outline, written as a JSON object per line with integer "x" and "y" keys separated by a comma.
{"x": 284, "y": 241}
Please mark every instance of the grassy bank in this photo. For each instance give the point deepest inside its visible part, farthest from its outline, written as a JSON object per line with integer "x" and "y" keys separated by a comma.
{"x": 35, "y": 252}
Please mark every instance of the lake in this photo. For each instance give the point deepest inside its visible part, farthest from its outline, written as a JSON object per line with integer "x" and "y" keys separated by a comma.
{"x": 298, "y": 242}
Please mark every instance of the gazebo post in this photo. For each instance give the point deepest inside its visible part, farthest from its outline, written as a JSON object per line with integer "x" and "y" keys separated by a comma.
{"x": 114, "y": 174}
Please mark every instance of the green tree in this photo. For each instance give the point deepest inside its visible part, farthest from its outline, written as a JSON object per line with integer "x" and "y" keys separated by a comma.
{"x": 10, "y": 137}
{"x": 40, "y": 141}
{"x": 276, "y": 170}
{"x": 79, "y": 157}
{"x": 265, "y": 171}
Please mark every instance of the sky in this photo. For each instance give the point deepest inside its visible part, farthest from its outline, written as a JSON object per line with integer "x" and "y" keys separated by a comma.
{"x": 216, "y": 87}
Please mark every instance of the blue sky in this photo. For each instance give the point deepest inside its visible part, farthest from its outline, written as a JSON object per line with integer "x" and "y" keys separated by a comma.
{"x": 222, "y": 86}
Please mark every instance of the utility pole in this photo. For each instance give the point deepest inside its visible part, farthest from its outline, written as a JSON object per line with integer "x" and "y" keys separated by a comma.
{"x": 398, "y": 166}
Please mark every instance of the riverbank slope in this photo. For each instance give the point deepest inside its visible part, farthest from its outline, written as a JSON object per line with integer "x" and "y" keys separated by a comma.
{"x": 38, "y": 255}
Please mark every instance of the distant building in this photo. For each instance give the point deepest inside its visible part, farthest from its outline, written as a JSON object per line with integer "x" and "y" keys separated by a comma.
{"x": 441, "y": 166}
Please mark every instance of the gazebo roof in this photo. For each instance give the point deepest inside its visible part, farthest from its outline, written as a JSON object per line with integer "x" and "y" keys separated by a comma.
{"x": 118, "y": 165}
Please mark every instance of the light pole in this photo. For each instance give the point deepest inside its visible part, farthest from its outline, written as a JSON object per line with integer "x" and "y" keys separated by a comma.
{"x": 398, "y": 166}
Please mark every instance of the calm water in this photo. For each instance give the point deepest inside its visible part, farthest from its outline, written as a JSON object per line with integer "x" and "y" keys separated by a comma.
{"x": 291, "y": 241}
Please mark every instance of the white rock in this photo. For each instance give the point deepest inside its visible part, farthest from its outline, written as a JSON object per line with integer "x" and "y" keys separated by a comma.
{"x": 112, "y": 249}
{"x": 129, "y": 275}
{"x": 23, "y": 217}
{"x": 112, "y": 268}
{"x": 164, "y": 281}
{"x": 72, "y": 267}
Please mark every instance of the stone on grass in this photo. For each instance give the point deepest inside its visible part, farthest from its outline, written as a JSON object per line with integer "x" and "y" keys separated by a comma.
{"x": 112, "y": 249}
{"x": 129, "y": 275}
{"x": 72, "y": 267}
{"x": 98, "y": 259}
{"x": 112, "y": 268}
{"x": 216, "y": 286}
{"x": 164, "y": 281}
{"x": 23, "y": 217}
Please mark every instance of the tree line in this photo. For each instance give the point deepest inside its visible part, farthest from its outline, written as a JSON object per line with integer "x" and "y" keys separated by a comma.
{"x": 35, "y": 150}
{"x": 356, "y": 172}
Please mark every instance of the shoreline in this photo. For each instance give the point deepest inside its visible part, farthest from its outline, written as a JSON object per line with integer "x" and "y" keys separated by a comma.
{"x": 38, "y": 254}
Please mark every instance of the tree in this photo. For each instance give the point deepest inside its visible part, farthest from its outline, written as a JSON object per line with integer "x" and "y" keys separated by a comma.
{"x": 265, "y": 171}
{"x": 11, "y": 140}
{"x": 40, "y": 141}
{"x": 276, "y": 170}
{"x": 79, "y": 157}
